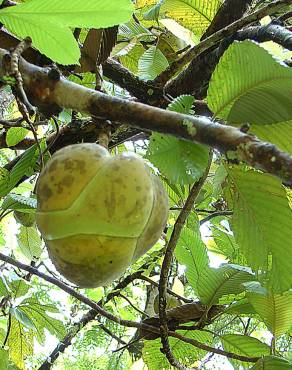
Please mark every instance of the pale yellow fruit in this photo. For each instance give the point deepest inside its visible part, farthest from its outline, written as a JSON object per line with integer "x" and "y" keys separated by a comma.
{"x": 98, "y": 213}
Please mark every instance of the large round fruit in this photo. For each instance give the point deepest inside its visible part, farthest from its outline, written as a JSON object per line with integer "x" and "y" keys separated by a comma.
{"x": 98, "y": 213}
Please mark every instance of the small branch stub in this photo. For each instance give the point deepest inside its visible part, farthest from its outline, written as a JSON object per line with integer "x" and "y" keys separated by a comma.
{"x": 104, "y": 133}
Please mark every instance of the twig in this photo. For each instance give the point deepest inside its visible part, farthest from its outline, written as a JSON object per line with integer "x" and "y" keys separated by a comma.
{"x": 285, "y": 16}
{"x": 5, "y": 213}
{"x": 55, "y": 138}
{"x": 132, "y": 324}
{"x": 132, "y": 305}
{"x": 247, "y": 326}
{"x": 111, "y": 334}
{"x": 215, "y": 214}
{"x": 178, "y": 226}
{"x": 217, "y": 36}
{"x": 8, "y": 330}
{"x": 169, "y": 291}
{"x": 89, "y": 316}
{"x": 15, "y": 55}
{"x": 31, "y": 125}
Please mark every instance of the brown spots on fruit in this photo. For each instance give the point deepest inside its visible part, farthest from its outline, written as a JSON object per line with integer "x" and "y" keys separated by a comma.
{"x": 68, "y": 164}
{"x": 81, "y": 165}
{"x": 138, "y": 188}
{"x": 53, "y": 165}
{"x": 45, "y": 192}
{"x": 67, "y": 180}
{"x": 59, "y": 188}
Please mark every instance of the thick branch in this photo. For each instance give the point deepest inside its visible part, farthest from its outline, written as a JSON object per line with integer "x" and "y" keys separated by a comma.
{"x": 270, "y": 32}
{"x": 219, "y": 35}
{"x": 50, "y": 94}
{"x": 229, "y": 12}
{"x": 195, "y": 78}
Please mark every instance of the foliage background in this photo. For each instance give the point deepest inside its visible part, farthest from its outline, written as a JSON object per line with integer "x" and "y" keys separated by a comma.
{"x": 234, "y": 248}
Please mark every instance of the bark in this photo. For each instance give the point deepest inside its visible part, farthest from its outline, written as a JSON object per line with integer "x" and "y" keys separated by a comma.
{"x": 50, "y": 95}
{"x": 195, "y": 79}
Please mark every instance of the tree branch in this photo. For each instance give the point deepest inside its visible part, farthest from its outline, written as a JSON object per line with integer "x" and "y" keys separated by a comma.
{"x": 195, "y": 78}
{"x": 132, "y": 305}
{"x": 99, "y": 310}
{"x": 86, "y": 318}
{"x": 229, "y": 12}
{"x": 169, "y": 291}
{"x": 163, "y": 281}
{"x": 219, "y": 35}
{"x": 49, "y": 95}
{"x": 215, "y": 214}
{"x": 111, "y": 334}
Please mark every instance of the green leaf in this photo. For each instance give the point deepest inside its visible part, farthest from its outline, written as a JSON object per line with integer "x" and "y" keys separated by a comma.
{"x": 153, "y": 13}
{"x": 130, "y": 60}
{"x": 22, "y": 317}
{"x": 187, "y": 353}
{"x": 274, "y": 309}
{"x": 19, "y": 287}
{"x": 277, "y": 133}
{"x": 56, "y": 42}
{"x": 256, "y": 87}
{"x": 4, "y": 178}
{"x": 196, "y": 15}
{"x": 74, "y": 13}
{"x": 219, "y": 178}
{"x": 37, "y": 312}
{"x": 20, "y": 169}
{"x": 95, "y": 294}
{"x": 15, "y": 135}
{"x": 4, "y": 291}
{"x": 182, "y": 104}
{"x": 242, "y": 307}
{"x": 29, "y": 242}
{"x": 3, "y": 359}
{"x": 176, "y": 193}
{"x": 244, "y": 345}
{"x": 262, "y": 224}
{"x": 19, "y": 202}
{"x": 180, "y": 161}
{"x": 151, "y": 63}
{"x": 135, "y": 32}
{"x": 47, "y": 23}
{"x": 20, "y": 342}
{"x": 226, "y": 280}
{"x": 191, "y": 252}
{"x": 225, "y": 245}
{"x": 272, "y": 363}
